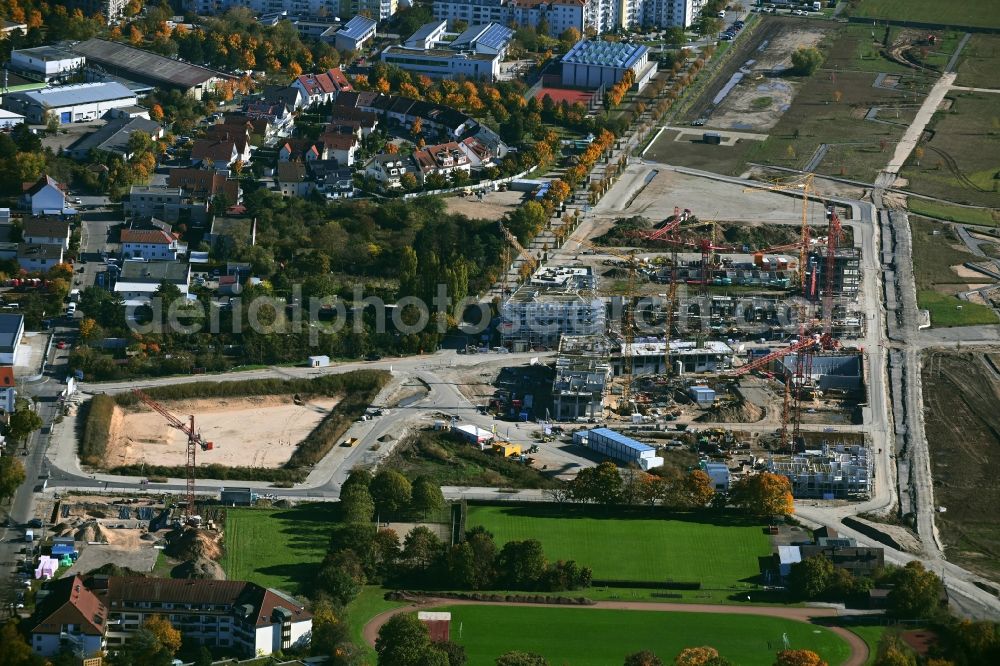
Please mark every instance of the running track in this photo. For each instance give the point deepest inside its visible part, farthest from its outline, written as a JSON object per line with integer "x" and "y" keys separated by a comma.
{"x": 859, "y": 649}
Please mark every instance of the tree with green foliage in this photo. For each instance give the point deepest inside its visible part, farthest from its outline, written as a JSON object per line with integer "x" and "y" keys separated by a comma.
{"x": 356, "y": 504}
{"x": 405, "y": 641}
{"x": 421, "y": 548}
{"x": 516, "y": 658}
{"x": 893, "y": 652}
{"x": 391, "y": 491}
{"x": 810, "y": 578}
{"x": 472, "y": 563}
{"x": 16, "y": 651}
{"x": 806, "y": 60}
{"x": 12, "y": 475}
{"x": 341, "y": 576}
{"x": 426, "y": 496}
{"x": 602, "y": 484}
{"x": 23, "y": 422}
{"x": 521, "y": 564}
{"x": 916, "y": 593}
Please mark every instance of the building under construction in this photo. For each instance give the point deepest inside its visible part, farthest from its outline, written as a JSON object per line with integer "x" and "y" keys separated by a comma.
{"x": 833, "y": 472}
{"x": 846, "y": 272}
{"x": 833, "y": 373}
{"x": 582, "y": 377}
{"x": 650, "y": 357}
{"x": 556, "y": 301}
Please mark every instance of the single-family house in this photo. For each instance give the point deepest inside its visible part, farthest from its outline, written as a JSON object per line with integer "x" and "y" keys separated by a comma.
{"x": 353, "y": 118}
{"x": 340, "y": 147}
{"x": 299, "y": 150}
{"x": 69, "y": 613}
{"x": 138, "y": 280}
{"x": 214, "y": 153}
{"x": 150, "y": 245}
{"x": 46, "y": 195}
{"x": 480, "y": 155}
{"x": 443, "y": 159}
{"x": 332, "y": 179}
{"x": 205, "y": 185}
{"x": 323, "y": 87}
{"x": 389, "y": 170}
{"x": 46, "y": 231}
{"x": 8, "y": 389}
{"x": 291, "y": 179}
{"x": 39, "y": 257}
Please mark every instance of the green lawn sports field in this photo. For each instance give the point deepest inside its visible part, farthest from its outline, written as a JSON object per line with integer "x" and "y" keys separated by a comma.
{"x": 633, "y": 545}
{"x": 978, "y": 13}
{"x": 599, "y": 637}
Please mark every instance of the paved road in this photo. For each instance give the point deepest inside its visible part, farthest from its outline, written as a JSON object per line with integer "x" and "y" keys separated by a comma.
{"x": 859, "y": 649}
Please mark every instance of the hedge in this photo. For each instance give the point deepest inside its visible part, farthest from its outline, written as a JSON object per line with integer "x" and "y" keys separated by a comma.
{"x": 357, "y": 389}
{"x": 96, "y": 418}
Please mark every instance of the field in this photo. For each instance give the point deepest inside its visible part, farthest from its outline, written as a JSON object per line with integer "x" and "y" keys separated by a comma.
{"x": 962, "y": 423}
{"x": 634, "y": 545}
{"x": 961, "y": 160}
{"x": 980, "y": 65}
{"x": 977, "y": 13}
{"x": 831, "y": 106}
{"x": 942, "y": 211}
{"x": 934, "y": 255}
{"x": 277, "y": 425}
{"x": 277, "y": 548}
{"x": 582, "y": 637}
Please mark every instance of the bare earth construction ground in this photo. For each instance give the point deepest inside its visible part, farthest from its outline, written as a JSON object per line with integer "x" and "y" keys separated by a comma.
{"x": 245, "y": 432}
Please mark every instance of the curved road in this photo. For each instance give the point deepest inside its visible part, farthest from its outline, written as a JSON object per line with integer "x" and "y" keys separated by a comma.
{"x": 859, "y": 649}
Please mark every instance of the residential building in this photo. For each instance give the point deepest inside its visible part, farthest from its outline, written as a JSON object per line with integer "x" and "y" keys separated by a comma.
{"x": 650, "y": 356}
{"x": 45, "y": 196}
{"x": 232, "y": 615}
{"x": 232, "y": 129}
{"x": 205, "y": 185}
{"x": 593, "y": 63}
{"x": 380, "y": 10}
{"x": 556, "y": 301}
{"x": 8, "y": 388}
{"x": 9, "y": 119}
{"x": 618, "y": 447}
{"x": 11, "y": 332}
{"x": 331, "y": 179}
{"x": 861, "y": 561}
{"x": 114, "y": 138}
{"x": 299, "y": 150}
{"x": 46, "y": 231}
{"x": 443, "y": 160}
{"x": 835, "y": 471}
{"x": 561, "y": 15}
{"x": 70, "y": 614}
{"x": 473, "y": 12}
{"x": 276, "y": 117}
{"x": 112, "y": 10}
{"x": 667, "y": 13}
{"x": 39, "y": 257}
{"x": 50, "y": 64}
{"x": 344, "y": 120}
{"x": 479, "y": 153}
{"x": 444, "y": 63}
{"x": 150, "y": 245}
{"x": 355, "y": 34}
{"x": 291, "y": 180}
{"x": 340, "y": 147}
{"x": 323, "y": 87}
{"x": 139, "y": 280}
{"x": 389, "y": 170}
{"x": 215, "y": 153}
{"x": 8, "y": 27}
{"x": 161, "y": 202}
{"x": 80, "y": 102}
{"x": 147, "y": 67}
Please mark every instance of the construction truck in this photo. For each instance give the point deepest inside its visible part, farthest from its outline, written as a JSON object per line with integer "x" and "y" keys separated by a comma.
{"x": 349, "y": 442}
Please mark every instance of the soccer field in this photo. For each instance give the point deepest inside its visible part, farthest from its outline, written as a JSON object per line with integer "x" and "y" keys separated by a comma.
{"x": 599, "y": 637}
{"x": 979, "y": 13}
{"x": 278, "y": 548}
{"x": 633, "y": 545}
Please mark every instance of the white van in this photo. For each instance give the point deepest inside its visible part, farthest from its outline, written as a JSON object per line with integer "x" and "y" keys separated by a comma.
{"x": 722, "y": 14}
{"x": 71, "y": 309}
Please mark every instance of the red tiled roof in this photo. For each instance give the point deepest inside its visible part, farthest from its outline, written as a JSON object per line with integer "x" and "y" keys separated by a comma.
{"x": 6, "y": 376}
{"x": 327, "y": 82}
{"x": 70, "y": 602}
{"x": 202, "y": 184}
{"x": 217, "y": 151}
{"x": 339, "y": 141}
{"x": 148, "y": 236}
{"x": 35, "y": 187}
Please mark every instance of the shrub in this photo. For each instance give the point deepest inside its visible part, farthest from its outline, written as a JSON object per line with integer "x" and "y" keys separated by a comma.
{"x": 96, "y": 417}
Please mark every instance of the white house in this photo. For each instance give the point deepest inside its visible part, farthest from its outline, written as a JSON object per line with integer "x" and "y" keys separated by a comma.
{"x": 340, "y": 147}
{"x": 46, "y": 63}
{"x": 46, "y": 195}
{"x": 322, "y": 87}
{"x": 39, "y": 257}
{"x": 389, "y": 170}
{"x": 139, "y": 280}
{"x": 355, "y": 34}
{"x": 46, "y": 231}
{"x": 150, "y": 245}
{"x": 443, "y": 159}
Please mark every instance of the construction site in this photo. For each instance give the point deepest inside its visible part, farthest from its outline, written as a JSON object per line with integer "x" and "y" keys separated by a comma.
{"x": 677, "y": 334}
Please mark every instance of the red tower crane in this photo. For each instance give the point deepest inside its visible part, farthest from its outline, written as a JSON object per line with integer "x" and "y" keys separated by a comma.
{"x": 834, "y": 236}
{"x": 194, "y": 440}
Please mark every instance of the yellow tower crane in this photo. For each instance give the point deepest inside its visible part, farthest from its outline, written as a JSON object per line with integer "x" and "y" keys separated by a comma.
{"x": 805, "y": 184}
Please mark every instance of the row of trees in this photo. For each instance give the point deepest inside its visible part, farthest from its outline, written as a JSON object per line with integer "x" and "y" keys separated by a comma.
{"x": 388, "y": 493}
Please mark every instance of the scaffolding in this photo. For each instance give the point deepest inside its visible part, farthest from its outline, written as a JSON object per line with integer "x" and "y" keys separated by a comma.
{"x": 582, "y": 376}
{"x": 556, "y": 301}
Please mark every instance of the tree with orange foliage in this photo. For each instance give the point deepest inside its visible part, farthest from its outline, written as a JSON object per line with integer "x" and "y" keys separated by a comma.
{"x": 698, "y": 490}
{"x": 382, "y": 86}
{"x": 418, "y": 127}
{"x": 165, "y": 634}
{"x": 764, "y": 494}
{"x": 391, "y": 148}
{"x": 799, "y": 658}
{"x": 696, "y": 656}
{"x": 156, "y": 113}
{"x": 35, "y": 19}
{"x": 295, "y": 69}
{"x": 409, "y": 90}
{"x": 559, "y": 190}
{"x": 134, "y": 36}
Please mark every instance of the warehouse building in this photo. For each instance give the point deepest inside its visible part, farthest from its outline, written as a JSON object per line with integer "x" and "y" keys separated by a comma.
{"x": 104, "y": 57}
{"x": 46, "y": 63}
{"x": 593, "y": 63}
{"x": 444, "y": 63}
{"x": 77, "y": 103}
{"x": 618, "y": 447}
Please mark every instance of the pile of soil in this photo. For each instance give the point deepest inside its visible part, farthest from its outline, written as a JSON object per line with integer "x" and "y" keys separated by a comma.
{"x": 90, "y": 531}
{"x": 740, "y": 412}
{"x": 200, "y": 569}
{"x": 192, "y": 544}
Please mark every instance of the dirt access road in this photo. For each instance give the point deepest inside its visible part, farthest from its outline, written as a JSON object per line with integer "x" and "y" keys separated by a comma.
{"x": 859, "y": 649}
